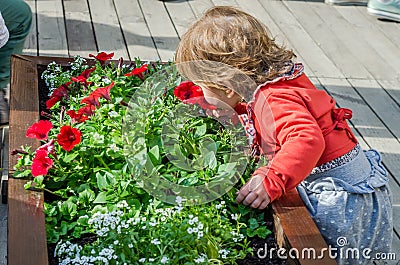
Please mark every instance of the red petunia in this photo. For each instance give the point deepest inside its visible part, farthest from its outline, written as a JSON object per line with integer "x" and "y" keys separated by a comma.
{"x": 103, "y": 92}
{"x": 189, "y": 93}
{"x": 58, "y": 94}
{"x": 102, "y": 57}
{"x": 87, "y": 110}
{"x": 91, "y": 100}
{"x": 48, "y": 147}
{"x": 138, "y": 71}
{"x": 68, "y": 137}
{"x": 39, "y": 130}
{"x": 41, "y": 163}
{"x": 82, "y": 78}
{"x": 77, "y": 117}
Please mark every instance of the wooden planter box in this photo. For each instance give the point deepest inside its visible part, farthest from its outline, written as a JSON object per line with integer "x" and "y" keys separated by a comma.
{"x": 293, "y": 226}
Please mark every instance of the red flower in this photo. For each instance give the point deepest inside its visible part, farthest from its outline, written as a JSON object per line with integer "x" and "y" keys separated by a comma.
{"x": 138, "y": 71}
{"x": 77, "y": 117}
{"x": 91, "y": 100}
{"x": 48, "y": 147}
{"x": 189, "y": 93}
{"x": 87, "y": 110}
{"x": 58, "y": 94}
{"x": 41, "y": 163}
{"x": 39, "y": 130}
{"x": 83, "y": 76}
{"x": 68, "y": 137}
{"x": 102, "y": 57}
{"x": 103, "y": 92}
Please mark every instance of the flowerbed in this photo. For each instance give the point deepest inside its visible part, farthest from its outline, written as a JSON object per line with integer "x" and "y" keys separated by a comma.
{"x": 100, "y": 210}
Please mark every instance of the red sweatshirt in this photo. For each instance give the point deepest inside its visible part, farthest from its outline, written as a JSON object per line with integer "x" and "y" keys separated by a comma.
{"x": 305, "y": 130}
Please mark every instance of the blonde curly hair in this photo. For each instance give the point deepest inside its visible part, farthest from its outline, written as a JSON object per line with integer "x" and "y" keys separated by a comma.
{"x": 230, "y": 36}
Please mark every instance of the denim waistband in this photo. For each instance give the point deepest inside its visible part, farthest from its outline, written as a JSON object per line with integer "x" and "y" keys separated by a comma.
{"x": 337, "y": 161}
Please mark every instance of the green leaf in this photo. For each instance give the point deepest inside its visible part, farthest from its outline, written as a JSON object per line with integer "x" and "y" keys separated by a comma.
{"x": 154, "y": 154}
{"x": 253, "y": 224}
{"x": 210, "y": 160}
{"x": 200, "y": 131}
{"x": 22, "y": 174}
{"x": 101, "y": 198}
{"x": 68, "y": 158}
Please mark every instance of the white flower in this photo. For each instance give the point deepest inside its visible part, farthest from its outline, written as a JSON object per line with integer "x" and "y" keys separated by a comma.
{"x": 151, "y": 259}
{"x": 201, "y": 258}
{"x": 131, "y": 246}
{"x": 142, "y": 260}
{"x": 156, "y": 241}
{"x": 218, "y": 206}
{"x": 116, "y": 242}
{"x": 190, "y": 230}
{"x": 115, "y": 148}
{"x": 164, "y": 260}
{"x": 224, "y": 211}
{"x": 200, "y": 234}
{"x": 235, "y": 216}
{"x": 200, "y": 226}
{"x": 179, "y": 200}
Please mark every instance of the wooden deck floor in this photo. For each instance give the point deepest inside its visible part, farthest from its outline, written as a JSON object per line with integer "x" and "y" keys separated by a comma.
{"x": 347, "y": 52}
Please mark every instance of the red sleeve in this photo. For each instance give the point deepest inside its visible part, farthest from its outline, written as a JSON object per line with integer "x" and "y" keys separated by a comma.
{"x": 300, "y": 140}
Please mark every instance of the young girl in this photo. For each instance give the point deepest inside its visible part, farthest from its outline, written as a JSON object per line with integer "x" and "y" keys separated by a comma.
{"x": 344, "y": 188}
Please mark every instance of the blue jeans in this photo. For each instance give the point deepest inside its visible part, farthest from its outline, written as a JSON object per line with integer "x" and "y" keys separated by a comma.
{"x": 18, "y": 17}
{"x": 352, "y": 207}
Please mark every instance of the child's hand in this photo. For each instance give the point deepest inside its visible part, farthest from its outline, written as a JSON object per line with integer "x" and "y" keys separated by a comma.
{"x": 254, "y": 194}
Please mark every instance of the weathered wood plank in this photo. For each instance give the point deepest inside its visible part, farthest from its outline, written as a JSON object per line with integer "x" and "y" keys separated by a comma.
{"x": 299, "y": 229}
{"x": 26, "y": 231}
{"x": 81, "y": 40}
{"x": 31, "y": 45}
{"x": 392, "y": 87}
{"x": 161, "y": 28}
{"x": 257, "y": 10}
{"x": 52, "y": 38}
{"x": 380, "y": 102}
{"x": 314, "y": 56}
{"x": 107, "y": 29}
{"x": 200, "y": 6}
{"x": 137, "y": 35}
{"x": 326, "y": 39}
{"x": 389, "y": 28}
{"x": 181, "y": 14}
{"x": 384, "y": 50}
{"x": 3, "y": 234}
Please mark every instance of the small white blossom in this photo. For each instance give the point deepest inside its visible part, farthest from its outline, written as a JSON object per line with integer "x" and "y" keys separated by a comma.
{"x": 164, "y": 260}
{"x": 156, "y": 241}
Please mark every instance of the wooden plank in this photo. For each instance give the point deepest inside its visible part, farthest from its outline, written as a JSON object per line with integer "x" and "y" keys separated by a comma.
{"x": 81, "y": 40}
{"x": 31, "y": 45}
{"x": 161, "y": 28}
{"x": 382, "y": 46}
{"x": 380, "y": 102}
{"x": 52, "y": 39}
{"x": 313, "y": 55}
{"x": 137, "y": 35}
{"x": 107, "y": 29}
{"x": 392, "y": 87}
{"x": 26, "y": 229}
{"x": 255, "y": 9}
{"x": 300, "y": 231}
{"x": 327, "y": 40}
{"x": 389, "y": 29}
{"x": 181, "y": 14}
{"x": 200, "y": 6}
{"x": 3, "y": 234}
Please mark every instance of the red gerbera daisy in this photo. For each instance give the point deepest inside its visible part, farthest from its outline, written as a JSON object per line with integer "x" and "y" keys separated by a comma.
{"x": 39, "y": 130}
{"x": 68, "y": 137}
{"x": 41, "y": 163}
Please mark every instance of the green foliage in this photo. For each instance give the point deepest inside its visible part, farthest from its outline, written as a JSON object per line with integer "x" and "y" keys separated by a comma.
{"x": 96, "y": 193}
